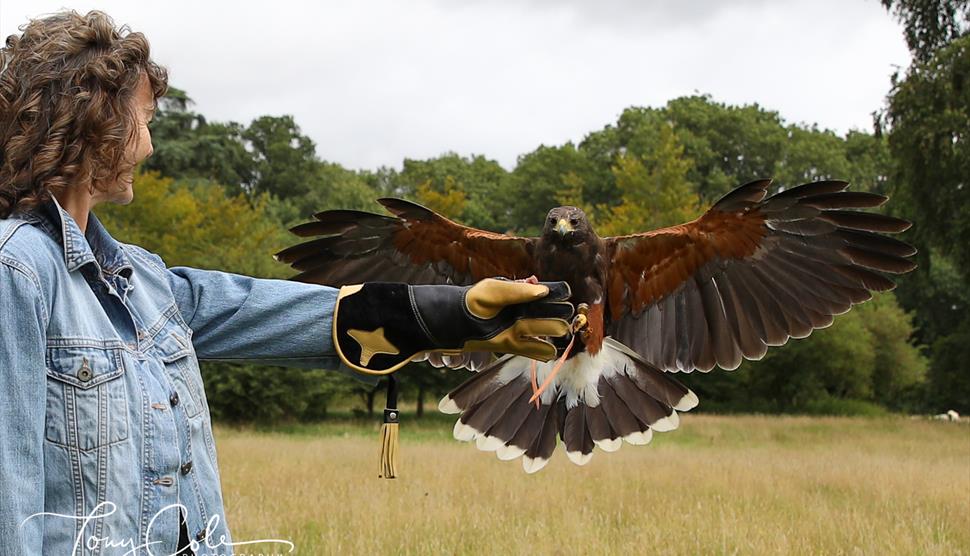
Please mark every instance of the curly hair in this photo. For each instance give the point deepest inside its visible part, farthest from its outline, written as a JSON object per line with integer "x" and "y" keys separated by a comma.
{"x": 65, "y": 115}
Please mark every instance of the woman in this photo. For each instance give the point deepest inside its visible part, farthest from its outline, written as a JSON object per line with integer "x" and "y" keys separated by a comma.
{"x": 105, "y": 439}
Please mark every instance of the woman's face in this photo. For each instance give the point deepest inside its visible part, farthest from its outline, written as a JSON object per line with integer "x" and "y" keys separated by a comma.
{"x": 140, "y": 148}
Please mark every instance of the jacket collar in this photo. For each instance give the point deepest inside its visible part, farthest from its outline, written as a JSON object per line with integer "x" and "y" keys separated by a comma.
{"x": 80, "y": 248}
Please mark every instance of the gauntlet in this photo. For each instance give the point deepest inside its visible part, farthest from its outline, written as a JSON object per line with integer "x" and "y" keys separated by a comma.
{"x": 379, "y": 326}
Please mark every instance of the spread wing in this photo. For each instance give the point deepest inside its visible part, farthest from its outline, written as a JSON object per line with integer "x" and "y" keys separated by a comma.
{"x": 415, "y": 245}
{"x": 750, "y": 273}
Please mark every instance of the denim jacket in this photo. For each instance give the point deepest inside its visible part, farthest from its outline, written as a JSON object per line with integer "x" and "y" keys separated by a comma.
{"x": 104, "y": 423}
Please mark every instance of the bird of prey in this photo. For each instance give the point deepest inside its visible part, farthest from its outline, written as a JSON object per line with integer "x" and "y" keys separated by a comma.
{"x": 752, "y": 272}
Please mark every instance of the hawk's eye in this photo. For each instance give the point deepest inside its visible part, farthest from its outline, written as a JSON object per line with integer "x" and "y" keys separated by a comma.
{"x": 552, "y": 219}
{"x": 573, "y": 222}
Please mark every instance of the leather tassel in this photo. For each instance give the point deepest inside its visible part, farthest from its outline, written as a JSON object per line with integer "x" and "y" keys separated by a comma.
{"x": 389, "y": 432}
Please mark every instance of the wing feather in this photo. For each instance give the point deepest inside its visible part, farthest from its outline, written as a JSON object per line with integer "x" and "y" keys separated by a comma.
{"x": 414, "y": 245}
{"x": 750, "y": 273}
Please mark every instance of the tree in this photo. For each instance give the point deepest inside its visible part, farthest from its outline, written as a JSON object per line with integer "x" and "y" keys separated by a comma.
{"x": 197, "y": 224}
{"x": 654, "y": 190}
{"x": 465, "y": 187}
{"x": 188, "y": 146}
{"x": 285, "y": 159}
{"x": 930, "y": 24}
{"x": 539, "y": 180}
{"x": 729, "y": 145}
{"x": 900, "y": 367}
{"x": 929, "y": 115}
{"x": 949, "y": 380}
{"x": 928, "y": 118}
{"x": 449, "y": 200}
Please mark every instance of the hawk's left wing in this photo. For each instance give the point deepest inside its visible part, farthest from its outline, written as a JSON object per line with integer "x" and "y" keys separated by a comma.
{"x": 750, "y": 273}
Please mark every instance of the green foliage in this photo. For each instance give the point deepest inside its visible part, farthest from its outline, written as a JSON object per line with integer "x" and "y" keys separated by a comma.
{"x": 929, "y": 112}
{"x": 939, "y": 294}
{"x": 284, "y": 157}
{"x": 949, "y": 376}
{"x": 187, "y": 146}
{"x": 448, "y": 201}
{"x": 464, "y": 187}
{"x": 654, "y": 191}
{"x": 246, "y": 393}
{"x": 899, "y": 368}
{"x": 731, "y": 145}
{"x": 928, "y": 115}
{"x": 930, "y": 24}
{"x": 540, "y": 179}
{"x": 330, "y": 187}
{"x": 837, "y": 361}
{"x": 195, "y": 223}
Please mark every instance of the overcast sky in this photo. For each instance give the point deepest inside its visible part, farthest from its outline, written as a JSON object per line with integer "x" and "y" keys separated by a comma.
{"x": 374, "y": 82}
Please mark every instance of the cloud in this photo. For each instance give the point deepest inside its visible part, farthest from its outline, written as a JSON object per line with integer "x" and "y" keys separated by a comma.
{"x": 635, "y": 16}
{"x": 375, "y": 82}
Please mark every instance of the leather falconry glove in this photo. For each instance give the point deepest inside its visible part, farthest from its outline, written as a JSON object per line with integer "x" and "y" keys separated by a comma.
{"x": 379, "y": 326}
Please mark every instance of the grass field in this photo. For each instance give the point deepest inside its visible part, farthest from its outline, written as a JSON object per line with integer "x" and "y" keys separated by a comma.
{"x": 717, "y": 485}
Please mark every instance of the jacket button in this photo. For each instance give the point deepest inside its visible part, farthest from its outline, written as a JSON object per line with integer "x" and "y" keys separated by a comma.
{"x": 174, "y": 400}
{"x": 84, "y": 374}
{"x": 186, "y": 467}
{"x": 200, "y": 536}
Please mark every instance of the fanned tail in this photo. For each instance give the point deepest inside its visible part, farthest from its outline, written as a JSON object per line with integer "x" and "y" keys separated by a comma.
{"x": 594, "y": 401}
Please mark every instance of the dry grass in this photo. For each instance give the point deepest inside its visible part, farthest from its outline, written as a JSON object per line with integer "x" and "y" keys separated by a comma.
{"x": 718, "y": 485}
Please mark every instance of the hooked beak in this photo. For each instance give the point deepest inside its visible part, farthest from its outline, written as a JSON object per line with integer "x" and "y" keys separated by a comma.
{"x": 563, "y": 227}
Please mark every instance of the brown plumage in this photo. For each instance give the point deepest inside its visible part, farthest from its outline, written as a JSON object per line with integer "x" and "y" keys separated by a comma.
{"x": 750, "y": 273}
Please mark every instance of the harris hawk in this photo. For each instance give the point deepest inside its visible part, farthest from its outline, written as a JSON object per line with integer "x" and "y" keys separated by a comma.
{"x": 752, "y": 272}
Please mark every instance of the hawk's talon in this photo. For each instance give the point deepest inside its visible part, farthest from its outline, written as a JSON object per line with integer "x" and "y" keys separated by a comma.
{"x": 580, "y": 324}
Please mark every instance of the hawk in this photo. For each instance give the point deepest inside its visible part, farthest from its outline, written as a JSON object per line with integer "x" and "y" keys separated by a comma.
{"x": 752, "y": 272}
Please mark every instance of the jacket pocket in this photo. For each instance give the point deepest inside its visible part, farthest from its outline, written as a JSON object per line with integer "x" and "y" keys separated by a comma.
{"x": 174, "y": 346}
{"x": 87, "y": 400}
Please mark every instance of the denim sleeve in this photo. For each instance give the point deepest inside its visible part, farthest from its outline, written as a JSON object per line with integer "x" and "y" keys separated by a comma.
{"x": 23, "y": 382}
{"x": 243, "y": 319}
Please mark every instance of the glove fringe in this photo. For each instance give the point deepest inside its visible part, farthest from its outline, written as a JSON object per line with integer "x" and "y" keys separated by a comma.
{"x": 389, "y": 450}
{"x": 389, "y": 433}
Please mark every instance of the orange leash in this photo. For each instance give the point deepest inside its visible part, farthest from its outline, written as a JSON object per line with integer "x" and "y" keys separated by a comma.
{"x": 535, "y": 384}
{"x": 536, "y": 392}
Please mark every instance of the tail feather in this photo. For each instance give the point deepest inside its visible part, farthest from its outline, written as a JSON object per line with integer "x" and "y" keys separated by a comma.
{"x": 603, "y": 435}
{"x": 656, "y": 383}
{"x": 478, "y": 387}
{"x": 621, "y": 419}
{"x": 644, "y": 408}
{"x": 530, "y": 429}
{"x": 513, "y": 419}
{"x": 486, "y": 412}
{"x": 576, "y": 437}
{"x": 594, "y": 401}
{"x": 538, "y": 454}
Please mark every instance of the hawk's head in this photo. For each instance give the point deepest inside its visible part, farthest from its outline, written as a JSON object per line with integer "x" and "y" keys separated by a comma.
{"x": 566, "y": 226}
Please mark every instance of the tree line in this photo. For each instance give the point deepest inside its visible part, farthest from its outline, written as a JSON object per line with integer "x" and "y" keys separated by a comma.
{"x": 222, "y": 194}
